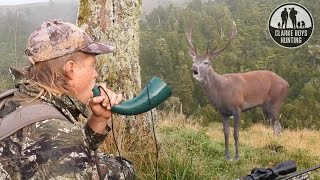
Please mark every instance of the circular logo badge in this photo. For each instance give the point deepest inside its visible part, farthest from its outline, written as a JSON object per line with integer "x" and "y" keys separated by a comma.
{"x": 291, "y": 25}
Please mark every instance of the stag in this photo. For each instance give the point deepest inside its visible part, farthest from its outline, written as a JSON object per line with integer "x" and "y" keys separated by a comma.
{"x": 234, "y": 93}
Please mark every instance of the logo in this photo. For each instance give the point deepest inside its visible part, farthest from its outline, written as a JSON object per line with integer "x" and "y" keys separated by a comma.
{"x": 291, "y": 25}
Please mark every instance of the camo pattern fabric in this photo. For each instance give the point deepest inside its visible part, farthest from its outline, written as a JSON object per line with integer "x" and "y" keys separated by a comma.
{"x": 55, "y": 148}
{"x": 56, "y": 38}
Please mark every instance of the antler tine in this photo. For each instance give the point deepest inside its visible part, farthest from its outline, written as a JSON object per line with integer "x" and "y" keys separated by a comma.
{"x": 188, "y": 32}
{"x": 233, "y": 34}
{"x": 215, "y": 48}
{"x": 212, "y": 49}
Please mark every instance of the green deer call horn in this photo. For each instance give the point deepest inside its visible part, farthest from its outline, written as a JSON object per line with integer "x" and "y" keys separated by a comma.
{"x": 155, "y": 92}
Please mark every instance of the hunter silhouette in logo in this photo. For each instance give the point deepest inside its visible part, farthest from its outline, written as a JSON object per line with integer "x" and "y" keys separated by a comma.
{"x": 294, "y": 34}
{"x": 284, "y": 17}
{"x": 293, "y": 17}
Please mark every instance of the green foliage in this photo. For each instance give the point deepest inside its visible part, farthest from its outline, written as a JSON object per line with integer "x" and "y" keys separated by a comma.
{"x": 305, "y": 108}
{"x": 208, "y": 114}
{"x": 164, "y": 52}
{"x": 17, "y": 23}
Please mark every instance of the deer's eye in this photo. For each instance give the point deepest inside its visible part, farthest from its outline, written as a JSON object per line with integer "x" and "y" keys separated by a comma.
{"x": 205, "y": 63}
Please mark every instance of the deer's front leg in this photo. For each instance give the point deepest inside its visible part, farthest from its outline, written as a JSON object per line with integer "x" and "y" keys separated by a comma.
{"x": 236, "y": 118}
{"x": 226, "y": 131}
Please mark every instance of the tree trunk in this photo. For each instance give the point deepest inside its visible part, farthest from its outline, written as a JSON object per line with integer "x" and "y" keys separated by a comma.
{"x": 115, "y": 22}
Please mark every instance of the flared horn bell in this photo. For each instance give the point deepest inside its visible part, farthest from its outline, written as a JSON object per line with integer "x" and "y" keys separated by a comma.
{"x": 155, "y": 92}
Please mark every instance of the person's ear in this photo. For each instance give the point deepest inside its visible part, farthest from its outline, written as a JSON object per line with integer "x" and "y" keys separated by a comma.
{"x": 69, "y": 67}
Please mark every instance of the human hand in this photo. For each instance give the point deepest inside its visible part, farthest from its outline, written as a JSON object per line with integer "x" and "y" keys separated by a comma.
{"x": 101, "y": 105}
{"x": 101, "y": 108}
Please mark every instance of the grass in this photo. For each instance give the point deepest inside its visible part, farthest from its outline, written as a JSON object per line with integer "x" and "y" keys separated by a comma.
{"x": 190, "y": 151}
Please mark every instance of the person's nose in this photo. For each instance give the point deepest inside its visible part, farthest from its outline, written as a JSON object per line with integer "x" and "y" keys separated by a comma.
{"x": 95, "y": 74}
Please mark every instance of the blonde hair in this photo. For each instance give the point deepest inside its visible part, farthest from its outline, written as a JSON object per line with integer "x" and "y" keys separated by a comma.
{"x": 50, "y": 77}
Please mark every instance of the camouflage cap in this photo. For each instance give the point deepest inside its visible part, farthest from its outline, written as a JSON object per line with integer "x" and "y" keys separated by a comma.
{"x": 56, "y": 38}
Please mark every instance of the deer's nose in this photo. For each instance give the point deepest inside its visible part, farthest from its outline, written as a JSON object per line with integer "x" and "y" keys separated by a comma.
{"x": 194, "y": 70}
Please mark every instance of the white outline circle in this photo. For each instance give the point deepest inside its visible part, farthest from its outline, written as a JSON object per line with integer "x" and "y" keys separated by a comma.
{"x": 291, "y": 3}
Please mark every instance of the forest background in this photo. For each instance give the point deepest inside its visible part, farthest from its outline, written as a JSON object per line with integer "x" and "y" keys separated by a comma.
{"x": 164, "y": 50}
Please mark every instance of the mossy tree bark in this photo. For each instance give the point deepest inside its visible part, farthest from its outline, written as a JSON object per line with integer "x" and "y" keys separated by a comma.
{"x": 115, "y": 22}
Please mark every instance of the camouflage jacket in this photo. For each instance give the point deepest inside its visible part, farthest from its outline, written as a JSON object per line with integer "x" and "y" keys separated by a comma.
{"x": 52, "y": 148}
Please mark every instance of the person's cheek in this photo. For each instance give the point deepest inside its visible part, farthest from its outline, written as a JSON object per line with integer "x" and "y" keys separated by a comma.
{"x": 94, "y": 75}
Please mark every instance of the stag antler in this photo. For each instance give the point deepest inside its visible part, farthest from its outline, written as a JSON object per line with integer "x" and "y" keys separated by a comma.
{"x": 214, "y": 53}
{"x": 193, "y": 50}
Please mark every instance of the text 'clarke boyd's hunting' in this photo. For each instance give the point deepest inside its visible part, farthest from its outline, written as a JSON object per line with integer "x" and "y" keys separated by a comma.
{"x": 291, "y": 36}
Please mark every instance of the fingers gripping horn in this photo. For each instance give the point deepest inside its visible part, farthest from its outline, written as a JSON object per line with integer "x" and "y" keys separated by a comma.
{"x": 155, "y": 92}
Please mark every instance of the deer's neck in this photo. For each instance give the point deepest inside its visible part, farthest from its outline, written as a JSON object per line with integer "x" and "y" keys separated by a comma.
{"x": 212, "y": 79}
{"x": 211, "y": 85}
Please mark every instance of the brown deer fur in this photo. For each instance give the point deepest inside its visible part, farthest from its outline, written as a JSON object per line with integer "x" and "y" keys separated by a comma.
{"x": 234, "y": 93}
